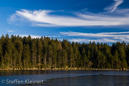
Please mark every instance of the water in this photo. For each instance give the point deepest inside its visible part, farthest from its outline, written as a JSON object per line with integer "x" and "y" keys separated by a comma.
{"x": 64, "y": 78}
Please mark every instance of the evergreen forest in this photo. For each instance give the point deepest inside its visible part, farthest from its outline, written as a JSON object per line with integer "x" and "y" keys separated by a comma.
{"x": 45, "y": 52}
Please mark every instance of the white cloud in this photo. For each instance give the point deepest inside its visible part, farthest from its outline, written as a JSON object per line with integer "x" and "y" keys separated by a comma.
{"x": 104, "y": 40}
{"x": 114, "y": 32}
{"x": 53, "y": 36}
{"x": 45, "y": 19}
{"x": 35, "y": 36}
{"x": 114, "y": 6}
{"x": 110, "y": 34}
{"x": 10, "y": 31}
{"x": 100, "y": 37}
{"x": 32, "y": 36}
{"x": 122, "y": 11}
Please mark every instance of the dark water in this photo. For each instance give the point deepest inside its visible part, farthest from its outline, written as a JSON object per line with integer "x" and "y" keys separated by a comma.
{"x": 95, "y": 80}
{"x": 64, "y": 78}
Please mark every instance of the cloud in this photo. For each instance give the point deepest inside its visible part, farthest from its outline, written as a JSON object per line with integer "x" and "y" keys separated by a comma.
{"x": 44, "y": 18}
{"x": 104, "y": 37}
{"x": 109, "y": 34}
{"x": 99, "y": 37}
{"x": 35, "y": 36}
{"x": 10, "y": 31}
{"x": 32, "y": 36}
{"x": 122, "y": 11}
{"x": 53, "y": 36}
{"x": 114, "y": 6}
{"x": 97, "y": 40}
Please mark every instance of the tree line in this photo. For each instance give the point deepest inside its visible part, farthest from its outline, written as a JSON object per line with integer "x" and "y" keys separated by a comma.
{"x": 27, "y": 52}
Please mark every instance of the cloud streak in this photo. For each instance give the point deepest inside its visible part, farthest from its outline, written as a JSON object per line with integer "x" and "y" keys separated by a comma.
{"x": 97, "y": 40}
{"x": 35, "y": 36}
{"x": 100, "y": 37}
{"x": 110, "y": 34}
{"x": 114, "y": 6}
{"x": 32, "y": 36}
{"x": 10, "y": 31}
{"x": 44, "y": 18}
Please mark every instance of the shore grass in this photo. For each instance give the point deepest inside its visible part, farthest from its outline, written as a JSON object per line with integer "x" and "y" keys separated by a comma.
{"x": 62, "y": 69}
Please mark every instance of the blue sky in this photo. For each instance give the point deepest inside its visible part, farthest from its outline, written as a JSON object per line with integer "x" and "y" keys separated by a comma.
{"x": 104, "y": 21}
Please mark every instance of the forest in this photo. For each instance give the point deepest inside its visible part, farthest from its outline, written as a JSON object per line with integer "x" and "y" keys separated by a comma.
{"x": 45, "y": 52}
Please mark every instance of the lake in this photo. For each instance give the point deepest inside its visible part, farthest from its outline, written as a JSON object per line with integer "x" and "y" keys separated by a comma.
{"x": 64, "y": 78}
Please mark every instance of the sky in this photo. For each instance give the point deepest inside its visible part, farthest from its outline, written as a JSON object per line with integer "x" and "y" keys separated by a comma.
{"x": 104, "y": 21}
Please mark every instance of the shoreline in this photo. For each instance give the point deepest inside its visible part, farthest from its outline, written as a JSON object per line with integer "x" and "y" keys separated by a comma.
{"x": 124, "y": 69}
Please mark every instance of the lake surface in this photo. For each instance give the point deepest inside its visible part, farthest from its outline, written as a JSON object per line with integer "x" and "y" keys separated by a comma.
{"x": 64, "y": 78}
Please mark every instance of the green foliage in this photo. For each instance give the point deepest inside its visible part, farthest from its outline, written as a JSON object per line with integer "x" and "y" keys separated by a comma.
{"x": 18, "y": 52}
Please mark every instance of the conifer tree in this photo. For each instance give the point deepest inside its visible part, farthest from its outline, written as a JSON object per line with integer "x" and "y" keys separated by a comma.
{"x": 84, "y": 57}
{"x": 26, "y": 56}
{"x": 39, "y": 52}
{"x": 33, "y": 53}
{"x": 64, "y": 58}
{"x": 27, "y": 52}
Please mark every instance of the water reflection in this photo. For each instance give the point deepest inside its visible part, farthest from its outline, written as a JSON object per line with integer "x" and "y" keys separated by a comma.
{"x": 70, "y": 78}
{"x": 95, "y": 80}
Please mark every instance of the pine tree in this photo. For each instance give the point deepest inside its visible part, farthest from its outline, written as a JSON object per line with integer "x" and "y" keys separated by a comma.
{"x": 26, "y": 56}
{"x": 117, "y": 62}
{"x": 26, "y": 52}
{"x": 71, "y": 57}
{"x": 64, "y": 58}
{"x": 8, "y": 51}
{"x": 39, "y": 52}
{"x": 14, "y": 57}
{"x": 2, "y": 51}
{"x": 122, "y": 55}
{"x": 84, "y": 57}
{"x": 33, "y": 53}
{"x": 54, "y": 55}
{"x": 101, "y": 59}
{"x": 109, "y": 57}
{"x": 1, "y": 54}
{"x": 19, "y": 48}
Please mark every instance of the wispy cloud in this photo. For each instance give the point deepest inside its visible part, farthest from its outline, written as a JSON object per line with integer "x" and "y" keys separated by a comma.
{"x": 44, "y": 18}
{"x": 32, "y": 36}
{"x": 114, "y": 6}
{"x": 10, "y": 31}
{"x": 109, "y": 34}
{"x": 53, "y": 36}
{"x": 99, "y": 37}
{"x": 103, "y": 40}
{"x": 35, "y": 36}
